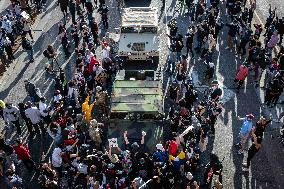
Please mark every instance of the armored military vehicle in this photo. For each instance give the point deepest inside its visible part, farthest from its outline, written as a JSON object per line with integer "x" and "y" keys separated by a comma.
{"x": 137, "y": 96}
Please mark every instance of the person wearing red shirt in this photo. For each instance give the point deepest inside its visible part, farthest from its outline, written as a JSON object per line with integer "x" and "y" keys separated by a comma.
{"x": 24, "y": 155}
{"x": 241, "y": 75}
{"x": 173, "y": 146}
{"x": 93, "y": 62}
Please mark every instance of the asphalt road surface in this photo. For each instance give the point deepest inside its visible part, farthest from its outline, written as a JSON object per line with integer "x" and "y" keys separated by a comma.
{"x": 267, "y": 165}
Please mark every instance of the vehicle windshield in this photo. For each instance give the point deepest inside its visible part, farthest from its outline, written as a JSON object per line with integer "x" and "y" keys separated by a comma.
{"x": 148, "y": 30}
{"x": 129, "y": 29}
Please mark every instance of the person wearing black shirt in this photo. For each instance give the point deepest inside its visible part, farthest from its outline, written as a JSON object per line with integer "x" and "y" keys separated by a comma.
{"x": 216, "y": 92}
{"x": 261, "y": 125}
{"x": 215, "y": 112}
{"x": 280, "y": 29}
{"x": 27, "y": 46}
{"x": 189, "y": 41}
{"x": 104, "y": 15}
{"x": 253, "y": 149}
{"x": 232, "y": 32}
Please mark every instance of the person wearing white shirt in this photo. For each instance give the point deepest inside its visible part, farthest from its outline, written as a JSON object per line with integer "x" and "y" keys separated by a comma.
{"x": 8, "y": 27}
{"x": 98, "y": 69}
{"x": 34, "y": 115}
{"x": 105, "y": 51}
{"x": 56, "y": 160}
{"x": 8, "y": 47}
{"x": 57, "y": 96}
{"x": 44, "y": 110}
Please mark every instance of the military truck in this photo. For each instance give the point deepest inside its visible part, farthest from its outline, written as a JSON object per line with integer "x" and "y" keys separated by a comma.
{"x": 137, "y": 97}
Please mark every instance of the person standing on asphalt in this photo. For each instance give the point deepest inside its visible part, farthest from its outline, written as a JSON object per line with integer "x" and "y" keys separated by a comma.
{"x": 273, "y": 41}
{"x": 11, "y": 114}
{"x": 50, "y": 54}
{"x": 24, "y": 154}
{"x": 280, "y": 29}
{"x": 2, "y": 106}
{"x": 253, "y": 149}
{"x": 8, "y": 47}
{"x": 189, "y": 41}
{"x": 32, "y": 91}
{"x": 103, "y": 10}
{"x": 214, "y": 113}
{"x": 27, "y": 46}
{"x": 44, "y": 110}
{"x": 245, "y": 131}
{"x": 27, "y": 28}
{"x": 232, "y": 32}
{"x": 261, "y": 125}
{"x": 33, "y": 113}
{"x": 7, "y": 26}
{"x": 72, "y": 10}
{"x": 241, "y": 76}
{"x": 63, "y": 6}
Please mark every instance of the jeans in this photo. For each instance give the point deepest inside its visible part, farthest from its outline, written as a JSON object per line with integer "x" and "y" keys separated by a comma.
{"x": 30, "y": 54}
{"x": 18, "y": 126}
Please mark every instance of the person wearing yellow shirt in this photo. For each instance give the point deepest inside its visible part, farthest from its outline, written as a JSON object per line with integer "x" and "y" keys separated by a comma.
{"x": 87, "y": 109}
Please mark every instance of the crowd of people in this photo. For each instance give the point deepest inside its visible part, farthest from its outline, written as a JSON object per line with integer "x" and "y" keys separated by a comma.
{"x": 74, "y": 120}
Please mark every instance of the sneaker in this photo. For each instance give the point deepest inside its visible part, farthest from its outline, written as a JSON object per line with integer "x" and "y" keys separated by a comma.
{"x": 240, "y": 152}
{"x": 245, "y": 164}
{"x": 245, "y": 169}
{"x": 227, "y": 47}
{"x": 231, "y": 50}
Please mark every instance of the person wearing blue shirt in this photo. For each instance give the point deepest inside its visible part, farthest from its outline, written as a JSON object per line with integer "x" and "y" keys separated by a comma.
{"x": 245, "y": 131}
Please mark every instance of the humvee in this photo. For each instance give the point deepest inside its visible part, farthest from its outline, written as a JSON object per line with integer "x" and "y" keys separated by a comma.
{"x": 137, "y": 97}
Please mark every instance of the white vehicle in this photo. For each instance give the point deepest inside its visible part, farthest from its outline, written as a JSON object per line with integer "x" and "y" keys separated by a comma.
{"x": 139, "y": 34}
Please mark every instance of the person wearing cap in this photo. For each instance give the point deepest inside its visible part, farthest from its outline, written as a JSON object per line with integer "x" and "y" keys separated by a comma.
{"x": 245, "y": 131}
{"x": 11, "y": 115}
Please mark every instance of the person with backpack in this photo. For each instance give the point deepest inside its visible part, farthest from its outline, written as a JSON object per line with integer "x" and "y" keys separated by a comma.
{"x": 27, "y": 46}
